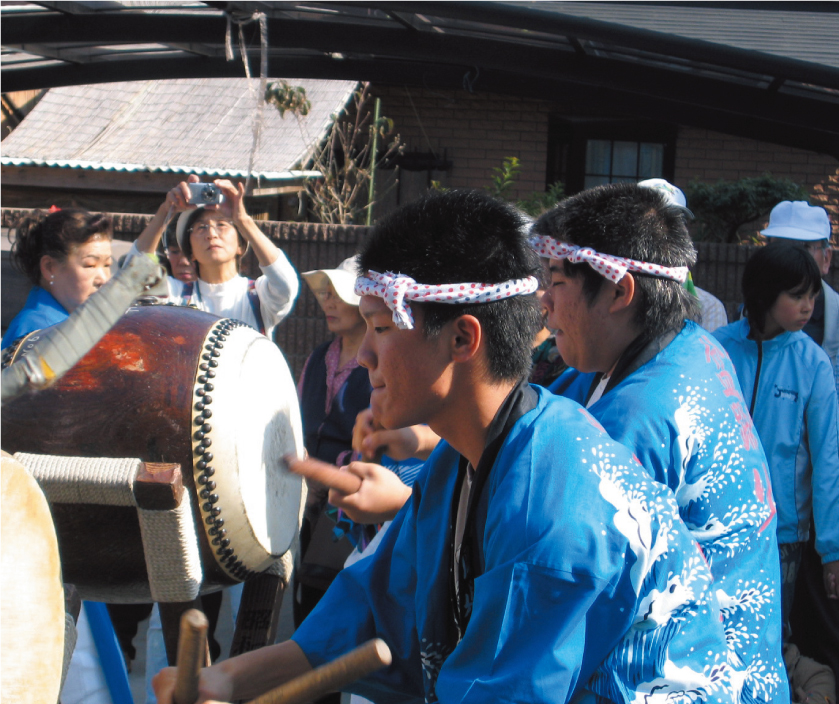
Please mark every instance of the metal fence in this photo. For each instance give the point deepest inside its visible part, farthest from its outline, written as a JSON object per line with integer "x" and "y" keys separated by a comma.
{"x": 314, "y": 246}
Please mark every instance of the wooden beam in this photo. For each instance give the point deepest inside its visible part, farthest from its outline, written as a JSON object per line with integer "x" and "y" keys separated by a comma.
{"x": 89, "y": 179}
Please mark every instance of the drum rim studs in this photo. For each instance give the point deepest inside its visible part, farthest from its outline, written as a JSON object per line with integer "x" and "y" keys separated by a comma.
{"x": 225, "y": 554}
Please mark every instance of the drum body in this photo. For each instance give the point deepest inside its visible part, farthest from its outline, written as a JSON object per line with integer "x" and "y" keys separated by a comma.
{"x": 172, "y": 384}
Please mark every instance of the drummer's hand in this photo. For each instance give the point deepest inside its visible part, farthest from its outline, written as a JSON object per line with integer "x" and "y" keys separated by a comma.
{"x": 369, "y": 438}
{"x": 213, "y": 685}
{"x": 379, "y": 497}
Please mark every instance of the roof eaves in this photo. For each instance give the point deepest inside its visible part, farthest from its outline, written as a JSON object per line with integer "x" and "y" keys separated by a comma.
{"x": 287, "y": 175}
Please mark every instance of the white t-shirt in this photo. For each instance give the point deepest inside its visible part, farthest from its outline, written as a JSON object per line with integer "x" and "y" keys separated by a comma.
{"x": 277, "y": 290}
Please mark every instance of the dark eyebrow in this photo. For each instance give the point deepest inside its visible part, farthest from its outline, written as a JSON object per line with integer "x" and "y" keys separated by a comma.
{"x": 556, "y": 268}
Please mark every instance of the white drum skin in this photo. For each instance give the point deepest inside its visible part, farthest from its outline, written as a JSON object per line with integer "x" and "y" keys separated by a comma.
{"x": 31, "y": 592}
{"x": 255, "y": 422}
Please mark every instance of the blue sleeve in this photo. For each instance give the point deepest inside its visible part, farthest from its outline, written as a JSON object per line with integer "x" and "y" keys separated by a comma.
{"x": 822, "y": 422}
{"x": 373, "y": 598}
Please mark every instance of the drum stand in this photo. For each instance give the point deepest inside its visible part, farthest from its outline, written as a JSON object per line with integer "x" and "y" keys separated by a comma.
{"x": 258, "y": 618}
{"x": 169, "y": 539}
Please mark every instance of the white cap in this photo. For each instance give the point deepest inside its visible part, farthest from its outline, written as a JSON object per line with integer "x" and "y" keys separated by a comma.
{"x": 672, "y": 194}
{"x": 342, "y": 280}
{"x": 798, "y": 220}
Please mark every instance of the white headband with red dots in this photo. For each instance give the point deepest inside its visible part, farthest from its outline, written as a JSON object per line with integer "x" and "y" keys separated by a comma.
{"x": 607, "y": 265}
{"x": 398, "y": 289}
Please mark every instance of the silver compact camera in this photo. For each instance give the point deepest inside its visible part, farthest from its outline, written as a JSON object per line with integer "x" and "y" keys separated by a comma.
{"x": 205, "y": 194}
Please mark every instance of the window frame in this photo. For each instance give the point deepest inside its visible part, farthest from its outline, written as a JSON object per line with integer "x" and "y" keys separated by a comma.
{"x": 568, "y": 139}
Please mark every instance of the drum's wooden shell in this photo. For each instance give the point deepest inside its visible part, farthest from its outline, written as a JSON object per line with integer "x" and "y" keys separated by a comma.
{"x": 130, "y": 396}
{"x": 32, "y": 595}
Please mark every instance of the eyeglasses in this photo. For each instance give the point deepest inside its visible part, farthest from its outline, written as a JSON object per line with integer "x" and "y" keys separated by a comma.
{"x": 816, "y": 246}
{"x": 221, "y": 227}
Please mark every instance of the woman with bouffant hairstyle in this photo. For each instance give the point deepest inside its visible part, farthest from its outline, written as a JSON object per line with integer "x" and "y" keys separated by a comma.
{"x": 66, "y": 254}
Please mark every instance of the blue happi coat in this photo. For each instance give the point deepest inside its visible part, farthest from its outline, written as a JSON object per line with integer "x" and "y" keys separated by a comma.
{"x": 683, "y": 414}
{"x": 589, "y": 580}
{"x": 41, "y": 311}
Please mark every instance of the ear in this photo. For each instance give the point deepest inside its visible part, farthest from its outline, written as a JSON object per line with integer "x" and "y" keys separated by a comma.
{"x": 623, "y": 294}
{"x": 828, "y": 257}
{"x": 48, "y": 267}
{"x": 466, "y": 336}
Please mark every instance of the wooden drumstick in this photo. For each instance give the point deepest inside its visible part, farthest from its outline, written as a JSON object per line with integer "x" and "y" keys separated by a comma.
{"x": 331, "y": 677}
{"x": 192, "y": 648}
{"x": 327, "y": 474}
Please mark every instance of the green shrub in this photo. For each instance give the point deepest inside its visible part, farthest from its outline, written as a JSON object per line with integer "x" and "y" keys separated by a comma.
{"x": 723, "y": 207}
{"x": 538, "y": 202}
{"x": 505, "y": 176}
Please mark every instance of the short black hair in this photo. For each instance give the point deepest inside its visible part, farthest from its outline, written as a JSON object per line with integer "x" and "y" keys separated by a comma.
{"x": 772, "y": 270}
{"x": 55, "y": 234}
{"x": 464, "y": 237}
{"x": 627, "y": 220}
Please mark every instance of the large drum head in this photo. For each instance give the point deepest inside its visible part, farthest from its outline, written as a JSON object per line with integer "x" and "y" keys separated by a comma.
{"x": 255, "y": 423}
{"x": 32, "y": 645}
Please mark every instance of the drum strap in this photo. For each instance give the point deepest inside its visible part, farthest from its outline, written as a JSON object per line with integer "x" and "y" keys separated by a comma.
{"x": 255, "y": 305}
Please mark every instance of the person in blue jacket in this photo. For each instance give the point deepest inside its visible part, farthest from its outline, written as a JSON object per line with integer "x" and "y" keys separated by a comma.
{"x": 66, "y": 255}
{"x": 787, "y": 380}
{"x": 661, "y": 385}
{"x": 535, "y": 559}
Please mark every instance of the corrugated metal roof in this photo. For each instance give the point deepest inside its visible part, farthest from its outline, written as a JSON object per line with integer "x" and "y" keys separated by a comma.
{"x": 202, "y": 126}
{"x": 806, "y": 36}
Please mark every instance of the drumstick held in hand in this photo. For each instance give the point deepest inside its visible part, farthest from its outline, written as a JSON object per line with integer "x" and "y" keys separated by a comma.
{"x": 192, "y": 647}
{"x": 325, "y": 473}
{"x": 331, "y": 677}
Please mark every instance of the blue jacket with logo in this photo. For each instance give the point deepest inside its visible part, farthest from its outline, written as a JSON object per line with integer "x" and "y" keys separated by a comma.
{"x": 795, "y": 414}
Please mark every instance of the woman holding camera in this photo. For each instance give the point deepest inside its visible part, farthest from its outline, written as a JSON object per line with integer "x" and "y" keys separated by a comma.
{"x": 215, "y": 237}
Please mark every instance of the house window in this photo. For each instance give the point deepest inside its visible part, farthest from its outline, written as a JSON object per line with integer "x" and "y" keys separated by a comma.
{"x": 585, "y": 153}
{"x": 613, "y": 161}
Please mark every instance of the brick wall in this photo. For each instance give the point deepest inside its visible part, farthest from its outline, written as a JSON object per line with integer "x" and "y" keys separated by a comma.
{"x": 709, "y": 156}
{"x": 478, "y": 131}
{"x": 475, "y": 130}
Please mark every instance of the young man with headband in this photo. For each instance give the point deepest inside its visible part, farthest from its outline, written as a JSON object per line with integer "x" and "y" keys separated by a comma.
{"x": 535, "y": 558}
{"x": 662, "y": 386}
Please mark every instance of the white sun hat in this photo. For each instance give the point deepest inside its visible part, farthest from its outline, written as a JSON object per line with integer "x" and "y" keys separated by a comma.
{"x": 342, "y": 280}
